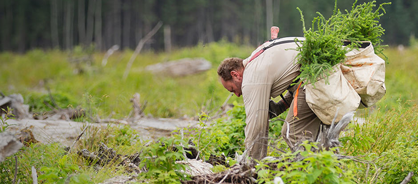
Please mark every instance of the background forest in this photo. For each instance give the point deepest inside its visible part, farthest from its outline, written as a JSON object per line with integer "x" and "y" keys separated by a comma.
{"x": 27, "y": 24}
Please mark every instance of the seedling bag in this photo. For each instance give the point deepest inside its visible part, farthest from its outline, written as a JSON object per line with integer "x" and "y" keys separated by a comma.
{"x": 325, "y": 99}
{"x": 365, "y": 71}
{"x": 358, "y": 82}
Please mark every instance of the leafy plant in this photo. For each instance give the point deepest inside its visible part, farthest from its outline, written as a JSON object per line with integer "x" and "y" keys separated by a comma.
{"x": 7, "y": 114}
{"x": 323, "y": 48}
{"x": 62, "y": 172}
{"x": 113, "y": 136}
{"x": 159, "y": 160}
{"x": 314, "y": 167}
{"x": 40, "y": 103}
{"x": 362, "y": 24}
{"x": 36, "y": 155}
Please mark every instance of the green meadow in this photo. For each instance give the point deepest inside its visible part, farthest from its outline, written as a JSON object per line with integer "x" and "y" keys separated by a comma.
{"x": 384, "y": 149}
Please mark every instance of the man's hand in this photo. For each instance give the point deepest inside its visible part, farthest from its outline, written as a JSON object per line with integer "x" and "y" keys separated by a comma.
{"x": 275, "y": 109}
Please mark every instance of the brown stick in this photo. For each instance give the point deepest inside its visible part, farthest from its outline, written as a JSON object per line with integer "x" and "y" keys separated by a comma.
{"x": 136, "y": 105}
{"x": 14, "y": 180}
{"x": 408, "y": 178}
{"x": 139, "y": 48}
{"x": 79, "y": 136}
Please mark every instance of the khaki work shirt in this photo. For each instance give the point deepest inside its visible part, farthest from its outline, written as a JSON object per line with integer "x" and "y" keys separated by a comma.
{"x": 266, "y": 76}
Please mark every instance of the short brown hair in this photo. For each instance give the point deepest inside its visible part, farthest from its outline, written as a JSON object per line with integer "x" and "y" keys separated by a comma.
{"x": 228, "y": 65}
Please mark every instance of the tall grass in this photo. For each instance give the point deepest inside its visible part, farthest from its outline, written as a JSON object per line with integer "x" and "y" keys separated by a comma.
{"x": 101, "y": 90}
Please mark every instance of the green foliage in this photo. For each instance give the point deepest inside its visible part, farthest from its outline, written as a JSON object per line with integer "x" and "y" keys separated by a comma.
{"x": 37, "y": 155}
{"x": 60, "y": 173}
{"x": 234, "y": 129}
{"x": 275, "y": 125}
{"x": 362, "y": 24}
{"x": 321, "y": 50}
{"x": 159, "y": 160}
{"x": 323, "y": 47}
{"x": 112, "y": 136}
{"x": 206, "y": 138}
{"x": 40, "y": 102}
{"x": 101, "y": 92}
{"x": 388, "y": 140}
{"x": 401, "y": 160}
{"x": 315, "y": 167}
{"x": 3, "y": 120}
{"x": 218, "y": 168}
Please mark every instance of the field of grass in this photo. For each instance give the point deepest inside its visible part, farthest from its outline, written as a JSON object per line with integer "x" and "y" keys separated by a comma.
{"x": 102, "y": 90}
{"x": 385, "y": 145}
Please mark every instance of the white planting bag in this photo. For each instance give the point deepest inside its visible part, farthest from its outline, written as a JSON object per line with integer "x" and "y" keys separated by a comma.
{"x": 325, "y": 99}
{"x": 365, "y": 71}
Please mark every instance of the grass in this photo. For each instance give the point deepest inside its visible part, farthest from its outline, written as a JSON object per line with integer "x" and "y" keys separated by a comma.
{"x": 386, "y": 143}
{"x": 101, "y": 90}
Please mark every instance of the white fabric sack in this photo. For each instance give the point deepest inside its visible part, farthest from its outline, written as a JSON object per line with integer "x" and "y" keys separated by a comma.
{"x": 325, "y": 99}
{"x": 365, "y": 71}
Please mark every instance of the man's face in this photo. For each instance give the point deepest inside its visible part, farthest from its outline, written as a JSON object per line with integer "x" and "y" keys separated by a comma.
{"x": 234, "y": 85}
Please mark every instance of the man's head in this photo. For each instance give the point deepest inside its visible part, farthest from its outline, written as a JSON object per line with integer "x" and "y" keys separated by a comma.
{"x": 231, "y": 71}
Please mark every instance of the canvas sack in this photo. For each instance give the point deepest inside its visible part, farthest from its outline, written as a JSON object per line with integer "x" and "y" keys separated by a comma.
{"x": 326, "y": 99}
{"x": 365, "y": 71}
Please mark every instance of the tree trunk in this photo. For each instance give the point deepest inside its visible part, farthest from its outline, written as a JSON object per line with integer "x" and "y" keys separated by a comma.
{"x": 126, "y": 23}
{"x": 98, "y": 26}
{"x": 276, "y": 12}
{"x": 116, "y": 23}
{"x": 90, "y": 22}
{"x": 167, "y": 38}
{"x": 257, "y": 23}
{"x": 209, "y": 20}
{"x": 269, "y": 17}
{"x": 81, "y": 21}
{"x": 200, "y": 25}
{"x": 21, "y": 28}
{"x": 108, "y": 25}
{"x": 6, "y": 18}
{"x": 68, "y": 22}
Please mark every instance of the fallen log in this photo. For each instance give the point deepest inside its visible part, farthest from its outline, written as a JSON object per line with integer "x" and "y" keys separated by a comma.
{"x": 179, "y": 68}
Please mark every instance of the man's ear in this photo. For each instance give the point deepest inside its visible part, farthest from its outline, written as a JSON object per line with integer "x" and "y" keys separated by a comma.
{"x": 236, "y": 74}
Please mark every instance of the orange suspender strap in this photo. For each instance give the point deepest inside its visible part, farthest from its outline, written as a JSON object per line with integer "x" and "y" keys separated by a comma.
{"x": 295, "y": 102}
{"x": 256, "y": 55}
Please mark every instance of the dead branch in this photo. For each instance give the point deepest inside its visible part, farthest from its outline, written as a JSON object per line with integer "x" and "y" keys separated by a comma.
{"x": 14, "y": 179}
{"x": 139, "y": 48}
{"x": 136, "y": 106}
{"x": 78, "y": 138}
{"x": 34, "y": 175}
{"x": 108, "y": 53}
{"x": 408, "y": 178}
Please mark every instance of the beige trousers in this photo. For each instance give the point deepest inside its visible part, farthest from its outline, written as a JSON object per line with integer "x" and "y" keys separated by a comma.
{"x": 305, "y": 126}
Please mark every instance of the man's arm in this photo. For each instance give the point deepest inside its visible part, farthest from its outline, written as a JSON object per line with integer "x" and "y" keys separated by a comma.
{"x": 275, "y": 109}
{"x": 256, "y": 101}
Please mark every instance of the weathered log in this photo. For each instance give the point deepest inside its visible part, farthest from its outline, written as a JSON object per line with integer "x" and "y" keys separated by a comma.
{"x": 8, "y": 145}
{"x": 179, "y": 68}
{"x": 14, "y": 102}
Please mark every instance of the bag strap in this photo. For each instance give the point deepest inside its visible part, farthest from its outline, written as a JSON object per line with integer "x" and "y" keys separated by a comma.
{"x": 269, "y": 46}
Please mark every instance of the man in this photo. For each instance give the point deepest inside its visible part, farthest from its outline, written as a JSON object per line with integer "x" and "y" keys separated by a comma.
{"x": 268, "y": 72}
